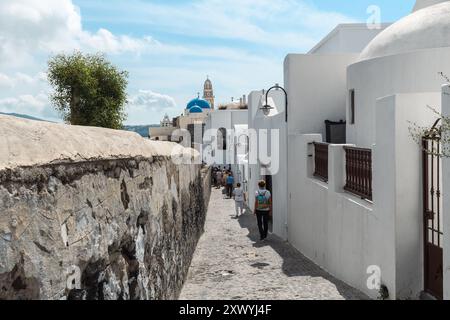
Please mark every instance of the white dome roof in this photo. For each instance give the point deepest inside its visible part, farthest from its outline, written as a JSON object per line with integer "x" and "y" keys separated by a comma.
{"x": 420, "y": 4}
{"x": 427, "y": 27}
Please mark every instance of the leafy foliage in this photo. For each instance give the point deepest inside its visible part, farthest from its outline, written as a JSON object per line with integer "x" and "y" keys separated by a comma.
{"x": 88, "y": 90}
{"x": 435, "y": 133}
{"x": 440, "y": 131}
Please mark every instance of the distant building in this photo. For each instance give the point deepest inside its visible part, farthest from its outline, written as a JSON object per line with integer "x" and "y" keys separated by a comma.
{"x": 199, "y": 115}
{"x": 225, "y": 144}
{"x": 166, "y": 122}
{"x": 208, "y": 93}
{"x": 240, "y": 104}
{"x": 192, "y": 120}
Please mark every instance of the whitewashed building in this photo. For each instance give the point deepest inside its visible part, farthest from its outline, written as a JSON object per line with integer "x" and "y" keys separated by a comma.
{"x": 371, "y": 208}
{"x": 225, "y": 138}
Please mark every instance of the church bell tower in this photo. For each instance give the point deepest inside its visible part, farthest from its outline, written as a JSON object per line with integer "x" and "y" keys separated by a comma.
{"x": 208, "y": 92}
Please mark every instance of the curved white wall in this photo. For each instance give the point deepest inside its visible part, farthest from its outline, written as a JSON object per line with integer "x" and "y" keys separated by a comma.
{"x": 376, "y": 78}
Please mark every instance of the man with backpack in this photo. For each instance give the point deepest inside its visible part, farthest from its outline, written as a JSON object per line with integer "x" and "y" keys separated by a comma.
{"x": 263, "y": 209}
{"x": 230, "y": 185}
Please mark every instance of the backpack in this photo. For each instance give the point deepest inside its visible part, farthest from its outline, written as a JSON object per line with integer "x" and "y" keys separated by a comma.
{"x": 262, "y": 201}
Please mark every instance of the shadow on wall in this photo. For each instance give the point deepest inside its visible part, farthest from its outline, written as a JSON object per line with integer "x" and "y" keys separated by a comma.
{"x": 294, "y": 263}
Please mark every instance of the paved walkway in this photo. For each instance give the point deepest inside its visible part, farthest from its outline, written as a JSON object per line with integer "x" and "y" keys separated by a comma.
{"x": 230, "y": 264}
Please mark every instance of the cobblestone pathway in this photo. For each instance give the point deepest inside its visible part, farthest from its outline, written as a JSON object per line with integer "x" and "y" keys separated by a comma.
{"x": 230, "y": 264}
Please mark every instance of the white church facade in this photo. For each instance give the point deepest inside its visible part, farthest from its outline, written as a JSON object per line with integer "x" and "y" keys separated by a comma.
{"x": 225, "y": 140}
{"x": 373, "y": 206}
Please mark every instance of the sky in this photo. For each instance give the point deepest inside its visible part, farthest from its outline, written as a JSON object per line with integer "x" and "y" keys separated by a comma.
{"x": 168, "y": 47}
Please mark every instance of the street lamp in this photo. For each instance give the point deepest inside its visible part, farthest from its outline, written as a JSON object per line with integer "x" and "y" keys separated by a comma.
{"x": 266, "y": 108}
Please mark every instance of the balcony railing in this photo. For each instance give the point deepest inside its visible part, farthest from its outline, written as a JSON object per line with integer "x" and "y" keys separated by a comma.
{"x": 321, "y": 161}
{"x": 359, "y": 172}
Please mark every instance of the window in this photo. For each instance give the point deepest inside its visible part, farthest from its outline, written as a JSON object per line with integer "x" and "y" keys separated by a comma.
{"x": 222, "y": 139}
{"x": 247, "y": 145}
{"x": 352, "y": 106}
{"x": 243, "y": 144}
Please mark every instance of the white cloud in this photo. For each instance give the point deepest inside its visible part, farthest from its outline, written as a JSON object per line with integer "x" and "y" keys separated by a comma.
{"x": 6, "y": 81}
{"x": 33, "y": 105}
{"x": 29, "y": 28}
{"x": 21, "y": 79}
{"x": 105, "y": 41}
{"x": 284, "y": 23}
{"x": 146, "y": 104}
{"x": 239, "y": 43}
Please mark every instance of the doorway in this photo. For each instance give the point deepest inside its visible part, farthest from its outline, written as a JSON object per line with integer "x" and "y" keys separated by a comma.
{"x": 269, "y": 186}
{"x": 432, "y": 212}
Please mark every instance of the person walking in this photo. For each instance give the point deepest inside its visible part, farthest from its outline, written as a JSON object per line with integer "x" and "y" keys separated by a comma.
{"x": 263, "y": 209}
{"x": 224, "y": 178}
{"x": 230, "y": 185}
{"x": 214, "y": 176}
{"x": 219, "y": 178}
{"x": 239, "y": 199}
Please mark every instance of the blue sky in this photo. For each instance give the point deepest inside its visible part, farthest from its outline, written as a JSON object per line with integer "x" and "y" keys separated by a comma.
{"x": 169, "y": 47}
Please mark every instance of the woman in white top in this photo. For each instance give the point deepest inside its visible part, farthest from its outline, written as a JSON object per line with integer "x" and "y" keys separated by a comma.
{"x": 239, "y": 199}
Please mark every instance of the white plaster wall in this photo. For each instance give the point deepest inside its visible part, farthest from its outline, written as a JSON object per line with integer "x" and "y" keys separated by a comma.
{"x": 316, "y": 86}
{"x": 240, "y": 166}
{"x": 346, "y": 235}
{"x": 398, "y": 184}
{"x": 446, "y": 199}
{"x": 254, "y": 101}
{"x": 347, "y": 38}
{"x": 356, "y": 39}
{"x": 279, "y": 174}
{"x": 330, "y": 228}
{"x": 405, "y": 73}
{"x": 275, "y": 121}
{"x": 225, "y": 119}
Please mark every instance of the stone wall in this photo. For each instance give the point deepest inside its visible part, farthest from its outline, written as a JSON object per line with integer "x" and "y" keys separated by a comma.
{"x": 113, "y": 228}
{"x": 206, "y": 173}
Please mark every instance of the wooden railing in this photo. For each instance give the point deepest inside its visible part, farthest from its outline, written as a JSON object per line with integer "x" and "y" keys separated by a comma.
{"x": 321, "y": 161}
{"x": 359, "y": 172}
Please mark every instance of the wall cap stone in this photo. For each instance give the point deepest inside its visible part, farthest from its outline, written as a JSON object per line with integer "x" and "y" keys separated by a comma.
{"x": 26, "y": 143}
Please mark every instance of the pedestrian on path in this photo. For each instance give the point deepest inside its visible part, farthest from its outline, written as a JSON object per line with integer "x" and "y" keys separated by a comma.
{"x": 230, "y": 185}
{"x": 224, "y": 178}
{"x": 214, "y": 176}
{"x": 263, "y": 209}
{"x": 219, "y": 177}
{"x": 239, "y": 199}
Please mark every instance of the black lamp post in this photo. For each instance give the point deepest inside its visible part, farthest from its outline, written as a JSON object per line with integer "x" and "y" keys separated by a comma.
{"x": 266, "y": 109}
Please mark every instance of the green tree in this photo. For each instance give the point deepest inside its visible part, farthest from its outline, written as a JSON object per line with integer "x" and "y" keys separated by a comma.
{"x": 88, "y": 90}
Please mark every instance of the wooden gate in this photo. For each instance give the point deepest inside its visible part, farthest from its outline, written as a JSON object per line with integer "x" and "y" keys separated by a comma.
{"x": 432, "y": 208}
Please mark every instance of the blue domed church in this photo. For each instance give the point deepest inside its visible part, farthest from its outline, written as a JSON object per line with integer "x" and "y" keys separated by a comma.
{"x": 198, "y": 105}
{"x": 193, "y": 118}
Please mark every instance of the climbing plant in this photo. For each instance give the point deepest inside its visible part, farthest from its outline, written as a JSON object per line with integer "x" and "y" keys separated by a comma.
{"x": 439, "y": 130}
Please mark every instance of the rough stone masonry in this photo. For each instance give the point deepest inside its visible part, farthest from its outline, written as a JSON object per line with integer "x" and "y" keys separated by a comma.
{"x": 89, "y": 213}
